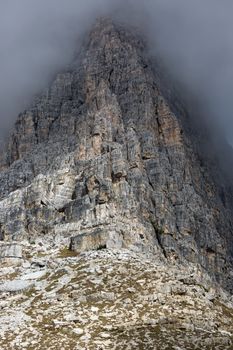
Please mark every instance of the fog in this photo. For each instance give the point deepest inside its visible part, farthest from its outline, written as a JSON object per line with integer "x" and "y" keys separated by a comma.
{"x": 192, "y": 37}
{"x": 37, "y": 38}
{"x": 195, "y": 40}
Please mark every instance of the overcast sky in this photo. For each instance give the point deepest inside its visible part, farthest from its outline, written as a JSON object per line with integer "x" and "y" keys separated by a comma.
{"x": 194, "y": 38}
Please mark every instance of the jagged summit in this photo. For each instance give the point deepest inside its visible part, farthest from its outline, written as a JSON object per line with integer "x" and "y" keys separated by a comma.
{"x": 114, "y": 230}
{"x": 101, "y": 158}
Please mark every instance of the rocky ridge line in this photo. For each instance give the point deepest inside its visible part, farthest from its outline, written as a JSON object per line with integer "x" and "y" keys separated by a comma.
{"x": 102, "y": 158}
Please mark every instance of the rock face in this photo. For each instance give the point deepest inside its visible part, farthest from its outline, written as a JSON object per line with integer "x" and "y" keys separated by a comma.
{"x": 10, "y": 253}
{"x": 104, "y": 158}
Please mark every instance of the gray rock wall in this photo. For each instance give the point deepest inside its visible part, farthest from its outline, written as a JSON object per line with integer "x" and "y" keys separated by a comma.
{"x": 103, "y": 150}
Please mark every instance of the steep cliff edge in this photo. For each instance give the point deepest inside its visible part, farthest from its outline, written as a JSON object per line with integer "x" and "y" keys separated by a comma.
{"x": 102, "y": 157}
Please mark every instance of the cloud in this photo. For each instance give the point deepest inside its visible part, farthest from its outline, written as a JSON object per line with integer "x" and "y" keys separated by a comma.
{"x": 192, "y": 37}
{"x": 37, "y": 38}
{"x": 195, "y": 40}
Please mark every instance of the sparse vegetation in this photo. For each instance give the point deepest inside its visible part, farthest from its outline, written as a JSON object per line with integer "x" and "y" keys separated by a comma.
{"x": 66, "y": 253}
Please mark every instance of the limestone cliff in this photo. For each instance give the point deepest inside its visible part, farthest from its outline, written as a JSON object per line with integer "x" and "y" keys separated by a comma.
{"x": 103, "y": 157}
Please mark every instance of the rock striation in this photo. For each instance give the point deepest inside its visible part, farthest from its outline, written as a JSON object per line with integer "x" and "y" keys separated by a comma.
{"x": 102, "y": 157}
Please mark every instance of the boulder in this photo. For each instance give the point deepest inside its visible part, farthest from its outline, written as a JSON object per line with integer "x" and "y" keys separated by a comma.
{"x": 89, "y": 241}
{"x": 11, "y": 253}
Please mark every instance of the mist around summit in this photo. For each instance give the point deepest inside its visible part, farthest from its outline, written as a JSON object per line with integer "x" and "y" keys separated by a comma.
{"x": 116, "y": 194}
{"x": 192, "y": 38}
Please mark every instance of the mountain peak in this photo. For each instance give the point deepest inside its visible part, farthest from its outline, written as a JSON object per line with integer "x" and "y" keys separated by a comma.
{"x": 101, "y": 171}
{"x": 106, "y": 157}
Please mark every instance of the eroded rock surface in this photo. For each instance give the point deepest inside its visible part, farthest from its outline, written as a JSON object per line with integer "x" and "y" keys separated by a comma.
{"x": 10, "y": 253}
{"x": 102, "y": 157}
{"x": 109, "y": 300}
